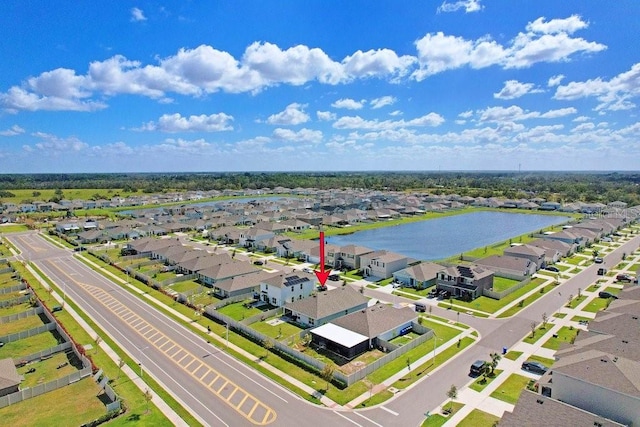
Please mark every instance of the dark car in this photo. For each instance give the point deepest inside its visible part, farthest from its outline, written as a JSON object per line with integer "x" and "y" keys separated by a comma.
{"x": 598, "y": 260}
{"x": 552, "y": 268}
{"x": 420, "y": 307}
{"x": 605, "y": 294}
{"x": 476, "y": 368}
{"x": 534, "y": 367}
{"x": 624, "y": 278}
{"x": 258, "y": 262}
{"x": 602, "y": 271}
{"x": 432, "y": 293}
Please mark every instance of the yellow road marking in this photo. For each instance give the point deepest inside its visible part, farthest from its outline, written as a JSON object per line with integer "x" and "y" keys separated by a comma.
{"x": 138, "y": 324}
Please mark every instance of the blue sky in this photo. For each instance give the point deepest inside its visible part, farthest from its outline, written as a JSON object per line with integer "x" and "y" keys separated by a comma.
{"x": 160, "y": 86}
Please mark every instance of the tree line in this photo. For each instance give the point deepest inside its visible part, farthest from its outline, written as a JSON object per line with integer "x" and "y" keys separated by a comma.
{"x": 554, "y": 186}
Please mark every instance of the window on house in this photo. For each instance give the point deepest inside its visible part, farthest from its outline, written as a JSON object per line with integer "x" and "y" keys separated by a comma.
{"x": 311, "y": 321}
{"x": 293, "y": 299}
{"x": 300, "y": 286}
{"x": 273, "y": 301}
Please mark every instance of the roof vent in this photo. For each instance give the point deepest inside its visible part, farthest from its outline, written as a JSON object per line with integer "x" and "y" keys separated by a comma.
{"x": 625, "y": 341}
{"x": 634, "y": 317}
{"x": 540, "y": 401}
{"x": 615, "y": 359}
{"x": 603, "y": 360}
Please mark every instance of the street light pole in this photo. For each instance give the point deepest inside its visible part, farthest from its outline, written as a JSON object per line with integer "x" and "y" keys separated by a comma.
{"x": 435, "y": 339}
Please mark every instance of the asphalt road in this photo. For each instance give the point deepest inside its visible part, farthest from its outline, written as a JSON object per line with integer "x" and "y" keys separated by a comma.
{"x": 219, "y": 390}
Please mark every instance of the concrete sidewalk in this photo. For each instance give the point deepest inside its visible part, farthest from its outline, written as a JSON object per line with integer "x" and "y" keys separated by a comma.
{"x": 133, "y": 376}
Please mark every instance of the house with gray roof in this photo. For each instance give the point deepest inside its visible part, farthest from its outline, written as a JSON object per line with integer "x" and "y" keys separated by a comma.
{"x": 240, "y": 285}
{"x": 211, "y": 275}
{"x": 465, "y": 281}
{"x": 349, "y": 256}
{"x": 282, "y": 288}
{"x": 541, "y": 410}
{"x": 383, "y": 263}
{"x": 509, "y": 266}
{"x": 358, "y": 332}
{"x": 533, "y": 253}
{"x": 323, "y": 307}
{"x": 419, "y": 276}
{"x": 9, "y": 377}
{"x": 206, "y": 260}
{"x": 563, "y": 248}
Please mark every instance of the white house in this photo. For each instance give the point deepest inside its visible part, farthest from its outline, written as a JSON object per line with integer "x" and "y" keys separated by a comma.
{"x": 283, "y": 288}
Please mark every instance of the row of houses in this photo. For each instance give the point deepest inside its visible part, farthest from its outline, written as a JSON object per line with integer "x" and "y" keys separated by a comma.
{"x": 595, "y": 380}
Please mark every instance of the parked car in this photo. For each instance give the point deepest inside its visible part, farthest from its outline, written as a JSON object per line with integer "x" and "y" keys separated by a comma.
{"x": 258, "y": 262}
{"x": 420, "y": 307}
{"x": 534, "y": 367}
{"x": 307, "y": 270}
{"x": 334, "y": 277}
{"x": 598, "y": 260}
{"x": 605, "y": 294}
{"x": 602, "y": 271}
{"x": 552, "y": 268}
{"x": 432, "y": 293}
{"x": 624, "y": 278}
{"x": 476, "y": 368}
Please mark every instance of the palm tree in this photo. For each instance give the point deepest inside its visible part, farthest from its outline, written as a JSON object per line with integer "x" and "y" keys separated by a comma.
{"x": 495, "y": 358}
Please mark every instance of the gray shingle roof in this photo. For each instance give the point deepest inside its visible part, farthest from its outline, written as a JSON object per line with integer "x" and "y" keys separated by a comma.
{"x": 327, "y": 303}
{"x": 376, "y": 320}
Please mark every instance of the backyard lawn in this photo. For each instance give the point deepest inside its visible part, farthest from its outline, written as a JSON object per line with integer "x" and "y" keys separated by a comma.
{"x": 47, "y": 370}
{"x": 502, "y": 283}
{"x": 27, "y": 346}
{"x": 23, "y": 324}
{"x": 280, "y": 331}
{"x": 75, "y": 404}
{"x": 238, "y": 311}
{"x": 510, "y": 390}
{"x": 491, "y": 305}
{"x": 186, "y": 286}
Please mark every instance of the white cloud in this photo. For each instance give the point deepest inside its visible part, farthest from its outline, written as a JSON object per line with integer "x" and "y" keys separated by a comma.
{"x": 52, "y": 145}
{"x": 325, "y": 116}
{"x": 357, "y": 122}
{"x": 555, "y": 80}
{"x": 377, "y": 63}
{"x": 569, "y": 25}
{"x": 12, "y": 131}
{"x": 514, "y": 89}
{"x": 177, "y": 123}
{"x": 348, "y": 103}
{"x": 137, "y": 15}
{"x": 205, "y": 70}
{"x": 292, "y": 115}
{"x": 395, "y": 113}
{"x": 583, "y": 127}
{"x": 467, "y": 5}
{"x": 466, "y": 114}
{"x": 382, "y": 102}
{"x": 303, "y": 135}
{"x": 542, "y": 42}
{"x": 561, "y": 112}
{"x": 581, "y": 119}
{"x": 613, "y": 95}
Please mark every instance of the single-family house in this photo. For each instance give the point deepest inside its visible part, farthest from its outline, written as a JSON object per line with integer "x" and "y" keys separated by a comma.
{"x": 326, "y": 306}
{"x": 211, "y": 275}
{"x": 240, "y": 285}
{"x": 349, "y": 256}
{"x": 360, "y": 331}
{"x": 383, "y": 263}
{"x": 281, "y": 288}
{"x": 564, "y": 249}
{"x": 466, "y": 282}
{"x": 9, "y": 378}
{"x": 509, "y": 266}
{"x": 419, "y": 276}
{"x": 532, "y": 253}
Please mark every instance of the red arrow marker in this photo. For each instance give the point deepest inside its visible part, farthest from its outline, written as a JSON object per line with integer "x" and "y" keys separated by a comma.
{"x": 322, "y": 275}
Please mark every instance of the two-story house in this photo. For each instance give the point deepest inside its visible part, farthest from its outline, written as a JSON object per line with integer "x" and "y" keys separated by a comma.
{"x": 466, "y": 282}
{"x": 283, "y": 288}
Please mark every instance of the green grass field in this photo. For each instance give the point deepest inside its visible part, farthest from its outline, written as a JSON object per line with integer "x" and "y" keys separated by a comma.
{"x": 491, "y": 305}
{"x": 502, "y": 283}
{"x": 47, "y": 370}
{"x": 478, "y": 418}
{"x": 510, "y": 390}
{"x": 279, "y": 332}
{"x": 21, "y": 325}
{"x": 27, "y": 346}
{"x": 436, "y": 420}
{"x": 238, "y": 311}
{"x": 75, "y": 404}
{"x": 513, "y": 355}
{"x": 480, "y": 383}
{"x": 565, "y": 335}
